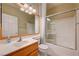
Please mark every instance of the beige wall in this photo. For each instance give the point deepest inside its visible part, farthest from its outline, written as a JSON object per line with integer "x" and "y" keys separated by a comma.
{"x": 62, "y": 7}
{"x": 23, "y": 18}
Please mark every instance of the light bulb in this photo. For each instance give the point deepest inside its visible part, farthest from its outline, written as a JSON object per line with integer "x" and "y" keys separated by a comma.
{"x": 30, "y": 8}
{"x": 22, "y": 9}
{"x": 34, "y": 10}
{"x": 48, "y": 19}
{"x": 30, "y": 13}
{"x": 26, "y": 6}
{"x": 26, "y": 11}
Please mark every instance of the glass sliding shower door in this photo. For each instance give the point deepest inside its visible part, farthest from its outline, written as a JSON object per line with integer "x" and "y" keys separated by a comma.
{"x": 61, "y": 29}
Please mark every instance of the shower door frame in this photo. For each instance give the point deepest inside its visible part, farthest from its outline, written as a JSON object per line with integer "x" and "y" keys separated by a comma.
{"x": 75, "y": 26}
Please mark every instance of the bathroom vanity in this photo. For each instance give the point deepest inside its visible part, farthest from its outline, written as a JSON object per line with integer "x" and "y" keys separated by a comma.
{"x": 27, "y": 47}
{"x": 30, "y": 50}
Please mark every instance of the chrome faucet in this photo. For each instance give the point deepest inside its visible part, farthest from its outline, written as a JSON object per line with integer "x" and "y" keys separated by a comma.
{"x": 8, "y": 39}
{"x": 20, "y": 39}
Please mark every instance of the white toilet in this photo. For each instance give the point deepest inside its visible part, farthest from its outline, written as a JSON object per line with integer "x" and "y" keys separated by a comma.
{"x": 43, "y": 49}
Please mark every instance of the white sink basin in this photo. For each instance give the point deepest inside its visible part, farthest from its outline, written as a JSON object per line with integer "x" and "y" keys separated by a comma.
{"x": 18, "y": 44}
{"x": 2, "y": 47}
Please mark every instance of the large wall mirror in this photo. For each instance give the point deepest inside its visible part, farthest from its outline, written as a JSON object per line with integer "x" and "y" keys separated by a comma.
{"x": 15, "y": 21}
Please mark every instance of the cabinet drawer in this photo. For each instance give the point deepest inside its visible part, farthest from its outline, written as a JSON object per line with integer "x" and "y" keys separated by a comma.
{"x": 34, "y": 53}
{"x": 25, "y": 51}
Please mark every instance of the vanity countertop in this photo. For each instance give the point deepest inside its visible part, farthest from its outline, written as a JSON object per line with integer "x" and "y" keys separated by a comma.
{"x": 14, "y": 46}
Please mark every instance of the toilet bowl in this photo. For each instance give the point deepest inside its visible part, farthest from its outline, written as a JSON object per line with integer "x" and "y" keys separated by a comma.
{"x": 43, "y": 49}
{"x": 43, "y": 46}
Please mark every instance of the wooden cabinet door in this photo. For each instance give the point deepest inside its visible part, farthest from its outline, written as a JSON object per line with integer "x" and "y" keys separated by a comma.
{"x": 34, "y": 53}
{"x": 26, "y": 51}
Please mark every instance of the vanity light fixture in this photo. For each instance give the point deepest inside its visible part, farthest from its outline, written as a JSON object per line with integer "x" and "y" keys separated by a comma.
{"x": 27, "y": 8}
